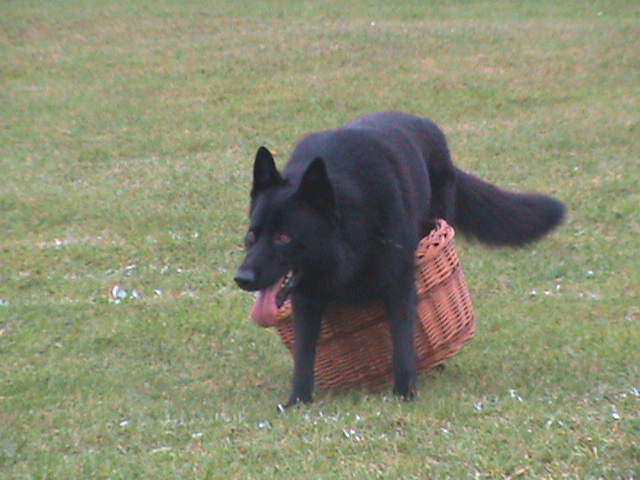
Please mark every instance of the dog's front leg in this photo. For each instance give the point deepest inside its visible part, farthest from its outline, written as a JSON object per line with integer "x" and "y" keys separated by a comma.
{"x": 307, "y": 315}
{"x": 401, "y": 311}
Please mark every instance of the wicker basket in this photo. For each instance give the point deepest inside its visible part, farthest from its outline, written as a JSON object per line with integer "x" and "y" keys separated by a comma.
{"x": 355, "y": 346}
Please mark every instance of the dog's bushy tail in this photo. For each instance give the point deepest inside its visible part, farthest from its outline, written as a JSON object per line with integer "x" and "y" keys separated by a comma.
{"x": 498, "y": 217}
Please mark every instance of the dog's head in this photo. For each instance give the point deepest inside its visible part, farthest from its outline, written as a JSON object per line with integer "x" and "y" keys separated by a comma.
{"x": 292, "y": 226}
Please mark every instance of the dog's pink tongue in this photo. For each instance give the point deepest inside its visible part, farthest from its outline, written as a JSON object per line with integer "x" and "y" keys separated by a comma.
{"x": 265, "y": 310}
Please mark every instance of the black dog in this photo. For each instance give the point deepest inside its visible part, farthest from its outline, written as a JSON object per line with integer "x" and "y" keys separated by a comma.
{"x": 342, "y": 222}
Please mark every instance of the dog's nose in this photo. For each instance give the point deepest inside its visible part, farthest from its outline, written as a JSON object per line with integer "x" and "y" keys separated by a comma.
{"x": 245, "y": 279}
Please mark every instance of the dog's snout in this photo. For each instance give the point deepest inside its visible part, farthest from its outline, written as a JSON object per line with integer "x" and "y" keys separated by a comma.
{"x": 246, "y": 279}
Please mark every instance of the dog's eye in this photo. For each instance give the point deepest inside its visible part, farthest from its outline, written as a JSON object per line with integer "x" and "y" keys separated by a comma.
{"x": 282, "y": 238}
{"x": 250, "y": 240}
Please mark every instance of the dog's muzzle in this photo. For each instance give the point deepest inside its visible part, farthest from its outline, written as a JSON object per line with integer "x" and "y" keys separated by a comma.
{"x": 246, "y": 280}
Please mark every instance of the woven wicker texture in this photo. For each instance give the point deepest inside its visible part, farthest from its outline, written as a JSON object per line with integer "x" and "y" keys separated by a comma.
{"x": 355, "y": 346}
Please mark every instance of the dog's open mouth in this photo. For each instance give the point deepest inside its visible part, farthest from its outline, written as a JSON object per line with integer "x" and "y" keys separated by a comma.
{"x": 269, "y": 300}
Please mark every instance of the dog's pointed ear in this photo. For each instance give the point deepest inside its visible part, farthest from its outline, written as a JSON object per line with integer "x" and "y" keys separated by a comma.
{"x": 265, "y": 173}
{"x": 316, "y": 189}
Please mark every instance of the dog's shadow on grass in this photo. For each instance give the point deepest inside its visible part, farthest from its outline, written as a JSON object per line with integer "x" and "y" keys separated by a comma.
{"x": 441, "y": 381}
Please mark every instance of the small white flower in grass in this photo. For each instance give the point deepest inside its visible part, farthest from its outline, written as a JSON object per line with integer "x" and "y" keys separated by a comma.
{"x": 514, "y": 394}
{"x": 553, "y": 421}
{"x": 223, "y": 417}
{"x": 351, "y": 433}
{"x": 161, "y": 450}
{"x": 119, "y": 292}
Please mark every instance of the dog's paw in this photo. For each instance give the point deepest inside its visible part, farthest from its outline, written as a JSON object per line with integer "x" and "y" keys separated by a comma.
{"x": 407, "y": 394}
{"x": 293, "y": 401}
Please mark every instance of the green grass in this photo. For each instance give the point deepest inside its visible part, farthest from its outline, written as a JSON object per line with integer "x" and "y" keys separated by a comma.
{"x": 127, "y": 134}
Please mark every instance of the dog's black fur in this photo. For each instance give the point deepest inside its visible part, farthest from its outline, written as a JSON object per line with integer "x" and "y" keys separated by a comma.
{"x": 346, "y": 215}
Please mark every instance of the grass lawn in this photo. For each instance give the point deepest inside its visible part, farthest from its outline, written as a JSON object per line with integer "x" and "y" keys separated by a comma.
{"x": 127, "y": 135}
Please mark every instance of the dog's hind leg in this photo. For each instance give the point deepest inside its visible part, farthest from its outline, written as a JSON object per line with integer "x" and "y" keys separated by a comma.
{"x": 401, "y": 303}
{"x": 307, "y": 314}
{"x": 443, "y": 179}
